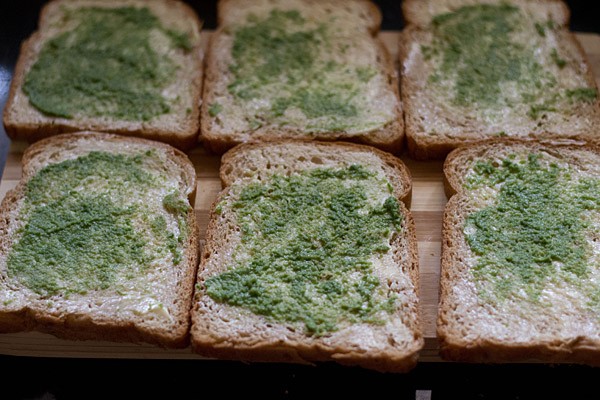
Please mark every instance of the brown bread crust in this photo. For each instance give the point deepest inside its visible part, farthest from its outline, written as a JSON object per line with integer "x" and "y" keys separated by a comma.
{"x": 458, "y": 336}
{"x": 388, "y": 138}
{"x": 33, "y": 315}
{"x": 24, "y": 122}
{"x": 225, "y": 332}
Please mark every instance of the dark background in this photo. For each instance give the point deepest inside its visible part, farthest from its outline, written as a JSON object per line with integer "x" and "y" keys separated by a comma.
{"x": 51, "y": 378}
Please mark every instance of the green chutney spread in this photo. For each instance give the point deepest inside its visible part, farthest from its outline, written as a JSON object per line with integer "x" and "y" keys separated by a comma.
{"x": 311, "y": 238}
{"x": 105, "y": 66}
{"x": 488, "y": 59}
{"x": 85, "y": 227}
{"x": 535, "y": 231}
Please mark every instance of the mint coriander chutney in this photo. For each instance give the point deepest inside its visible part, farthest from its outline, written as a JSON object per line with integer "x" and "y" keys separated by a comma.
{"x": 74, "y": 246}
{"x": 311, "y": 238}
{"x": 535, "y": 232}
{"x": 84, "y": 228}
{"x": 105, "y": 66}
{"x": 290, "y": 70}
{"x": 492, "y": 56}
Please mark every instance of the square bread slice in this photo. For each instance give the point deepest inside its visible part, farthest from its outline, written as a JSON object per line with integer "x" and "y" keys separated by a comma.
{"x": 310, "y": 256}
{"x": 131, "y": 67}
{"x": 301, "y": 69}
{"x": 472, "y": 70}
{"x": 98, "y": 241}
{"x": 520, "y": 277}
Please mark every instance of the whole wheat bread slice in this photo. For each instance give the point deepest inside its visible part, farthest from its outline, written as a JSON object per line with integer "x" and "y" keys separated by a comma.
{"x": 530, "y": 79}
{"x": 65, "y": 243}
{"x": 177, "y": 124}
{"x": 220, "y": 329}
{"x": 529, "y": 291}
{"x": 316, "y": 70}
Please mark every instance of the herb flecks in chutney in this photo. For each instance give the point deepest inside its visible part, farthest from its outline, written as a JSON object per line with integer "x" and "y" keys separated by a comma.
{"x": 477, "y": 50}
{"x": 104, "y": 66}
{"x": 311, "y": 237}
{"x": 535, "y": 231}
{"x": 284, "y": 58}
{"x": 81, "y": 232}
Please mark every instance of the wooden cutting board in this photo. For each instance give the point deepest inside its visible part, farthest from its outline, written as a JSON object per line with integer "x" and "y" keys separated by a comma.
{"x": 427, "y": 207}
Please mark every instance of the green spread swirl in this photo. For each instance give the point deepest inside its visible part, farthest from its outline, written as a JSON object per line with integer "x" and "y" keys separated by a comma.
{"x": 104, "y": 66}
{"x": 535, "y": 232}
{"x": 310, "y": 238}
{"x": 86, "y": 227}
{"x": 478, "y": 52}
{"x": 75, "y": 245}
{"x": 286, "y": 60}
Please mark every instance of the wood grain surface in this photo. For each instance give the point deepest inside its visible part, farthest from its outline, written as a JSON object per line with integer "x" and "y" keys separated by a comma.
{"x": 427, "y": 207}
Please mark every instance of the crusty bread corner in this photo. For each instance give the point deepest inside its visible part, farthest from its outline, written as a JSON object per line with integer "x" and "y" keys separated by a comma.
{"x": 434, "y": 126}
{"x": 469, "y": 329}
{"x": 180, "y": 127}
{"x": 223, "y": 331}
{"x": 104, "y": 315}
{"x": 231, "y": 13}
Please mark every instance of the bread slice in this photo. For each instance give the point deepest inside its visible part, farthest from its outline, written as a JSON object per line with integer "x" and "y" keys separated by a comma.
{"x": 299, "y": 267}
{"x": 131, "y": 67}
{"x": 301, "y": 69}
{"x": 472, "y": 70}
{"x": 99, "y": 241}
{"x": 520, "y": 277}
